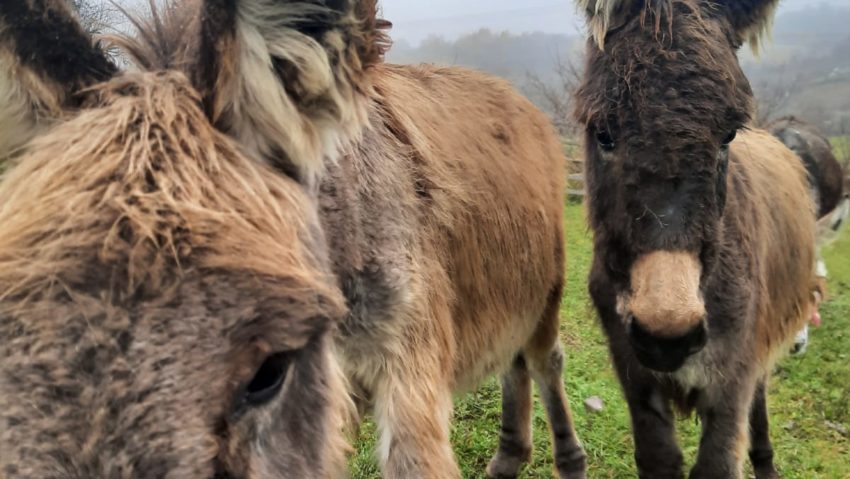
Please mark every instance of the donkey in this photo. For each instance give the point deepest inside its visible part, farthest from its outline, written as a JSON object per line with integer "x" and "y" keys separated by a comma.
{"x": 704, "y": 247}
{"x": 826, "y": 186}
{"x": 167, "y": 305}
{"x": 433, "y": 197}
{"x": 832, "y": 200}
{"x": 824, "y": 170}
{"x": 444, "y": 220}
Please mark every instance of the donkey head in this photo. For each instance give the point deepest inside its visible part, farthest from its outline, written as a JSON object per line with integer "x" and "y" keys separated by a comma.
{"x": 166, "y": 304}
{"x": 662, "y": 99}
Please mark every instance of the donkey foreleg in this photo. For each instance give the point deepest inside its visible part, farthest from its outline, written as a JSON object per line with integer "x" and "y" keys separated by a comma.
{"x": 725, "y": 432}
{"x": 657, "y": 455}
{"x": 412, "y": 414}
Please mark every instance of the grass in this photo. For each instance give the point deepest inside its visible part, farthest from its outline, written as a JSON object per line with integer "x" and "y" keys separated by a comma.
{"x": 841, "y": 148}
{"x": 806, "y": 392}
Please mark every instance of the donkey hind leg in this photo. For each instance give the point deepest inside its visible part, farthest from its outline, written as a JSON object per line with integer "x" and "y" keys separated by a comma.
{"x": 545, "y": 361}
{"x": 412, "y": 415}
{"x": 547, "y": 370}
{"x": 761, "y": 451}
{"x": 515, "y": 435}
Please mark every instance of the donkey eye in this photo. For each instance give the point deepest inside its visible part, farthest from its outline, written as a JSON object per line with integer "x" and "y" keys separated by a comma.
{"x": 269, "y": 379}
{"x": 730, "y": 138}
{"x": 606, "y": 142}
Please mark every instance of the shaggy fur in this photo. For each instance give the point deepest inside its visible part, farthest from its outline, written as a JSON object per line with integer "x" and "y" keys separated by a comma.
{"x": 285, "y": 78}
{"x": 661, "y": 101}
{"x": 447, "y": 240}
{"x": 149, "y": 268}
{"x": 444, "y": 222}
{"x": 750, "y": 19}
{"x": 40, "y": 77}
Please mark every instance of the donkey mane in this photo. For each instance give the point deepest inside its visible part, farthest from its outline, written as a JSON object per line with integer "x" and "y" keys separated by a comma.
{"x": 160, "y": 41}
{"x": 127, "y": 173}
{"x": 306, "y": 59}
{"x": 606, "y": 15}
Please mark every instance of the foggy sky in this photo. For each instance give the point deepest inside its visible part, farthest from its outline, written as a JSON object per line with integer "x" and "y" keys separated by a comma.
{"x": 413, "y": 20}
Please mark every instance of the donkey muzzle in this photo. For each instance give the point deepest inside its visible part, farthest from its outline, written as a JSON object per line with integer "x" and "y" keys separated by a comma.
{"x": 664, "y": 312}
{"x": 665, "y": 354}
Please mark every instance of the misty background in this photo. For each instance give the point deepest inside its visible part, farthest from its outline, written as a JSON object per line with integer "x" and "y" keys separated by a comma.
{"x": 538, "y": 45}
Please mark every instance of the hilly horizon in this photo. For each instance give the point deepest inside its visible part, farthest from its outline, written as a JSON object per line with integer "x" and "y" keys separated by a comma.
{"x": 804, "y": 68}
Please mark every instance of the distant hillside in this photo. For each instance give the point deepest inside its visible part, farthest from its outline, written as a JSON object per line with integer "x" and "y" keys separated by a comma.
{"x": 500, "y": 53}
{"x": 810, "y": 59}
{"x": 806, "y": 66}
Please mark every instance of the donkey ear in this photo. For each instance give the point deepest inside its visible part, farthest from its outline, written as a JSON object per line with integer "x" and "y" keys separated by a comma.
{"x": 288, "y": 78}
{"x": 606, "y": 15}
{"x": 751, "y": 19}
{"x": 46, "y": 59}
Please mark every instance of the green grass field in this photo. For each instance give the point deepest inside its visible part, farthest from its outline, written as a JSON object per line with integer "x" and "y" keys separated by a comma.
{"x": 806, "y": 393}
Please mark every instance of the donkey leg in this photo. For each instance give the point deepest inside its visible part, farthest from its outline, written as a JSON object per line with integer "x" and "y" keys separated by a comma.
{"x": 515, "y": 435}
{"x": 725, "y": 431}
{"x": 657, "y": 456}
{"x": 761, "y": 451}
{"x": 412, "y": 414}
{"x": 547, "y": 370}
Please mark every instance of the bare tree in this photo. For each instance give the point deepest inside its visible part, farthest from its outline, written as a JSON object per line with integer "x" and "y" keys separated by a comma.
{"x": 556, "y": 95}
{"x": 96, "y": 15}
{"x": 773, "y": 98}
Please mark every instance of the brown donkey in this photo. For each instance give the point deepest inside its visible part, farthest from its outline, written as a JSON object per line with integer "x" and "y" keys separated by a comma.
{"x": 167, "y": 307}
{"x": 443, "y": 220}
{"x": 704, "y": 253}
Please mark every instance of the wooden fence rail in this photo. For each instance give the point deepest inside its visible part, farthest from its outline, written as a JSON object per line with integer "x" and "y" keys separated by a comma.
{"x": 575, "y": 178}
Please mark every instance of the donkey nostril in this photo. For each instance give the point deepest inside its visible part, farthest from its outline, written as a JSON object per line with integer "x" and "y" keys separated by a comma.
{"x": 698, "y": 339}
{"x": 664, "y": 353}
{"x": 637, "y": 332}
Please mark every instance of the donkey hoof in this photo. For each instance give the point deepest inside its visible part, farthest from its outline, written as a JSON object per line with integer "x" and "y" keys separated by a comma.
{"x": 767, "y": 473}
{"x": 573, "y": 468}
{"x": 507, "y": 466}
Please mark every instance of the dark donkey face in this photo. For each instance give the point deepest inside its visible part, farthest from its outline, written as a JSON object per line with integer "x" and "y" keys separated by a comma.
{"x": 166, "y": 305}
{"x": 662, "y": 99}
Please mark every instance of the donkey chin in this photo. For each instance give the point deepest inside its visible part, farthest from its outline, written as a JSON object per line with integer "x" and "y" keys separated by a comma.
{"x": 664, "y": 312}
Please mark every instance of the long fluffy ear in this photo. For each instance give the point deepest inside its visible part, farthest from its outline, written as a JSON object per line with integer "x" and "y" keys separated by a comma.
{"x": 45, "y": 60}
{"x": 751, "y": 19}
{"x": 287, "y": 78}
{"x": 606, "y": 15}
